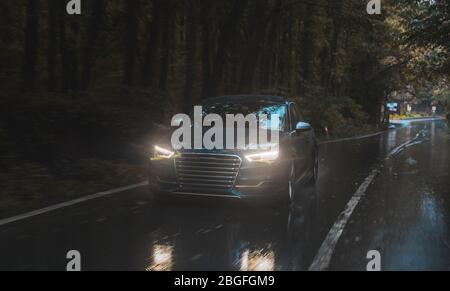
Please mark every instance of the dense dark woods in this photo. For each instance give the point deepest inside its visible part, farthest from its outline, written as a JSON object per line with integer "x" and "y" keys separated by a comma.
{"x": 81, "y": 91}
{"x": 193, "y": 49}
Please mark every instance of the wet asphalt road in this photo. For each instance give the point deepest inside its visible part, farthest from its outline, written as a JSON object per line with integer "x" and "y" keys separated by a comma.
{"x": 405, "y": 215}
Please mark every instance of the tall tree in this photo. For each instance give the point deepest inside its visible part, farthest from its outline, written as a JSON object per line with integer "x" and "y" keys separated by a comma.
{"x": 307, "y": 48}
{"x": 191, "y": 51}
{"x": 131, "y": 33}
{"x": 65, "y": 59}
{"x": 330, "y": 56}
{"x": 269, "y": 45}
{"x": 153, "y": 38}
{"x": 52, "y": 44}
{"x": 258, "y": 22}
{"x": 74, "y": 52}
{"x": 166, "y": 34}
{"x": 206, "y": 28}
{"x": 93, "y": 32}
{"x": 30, "y": 45}
{"x": 227, "y": 31}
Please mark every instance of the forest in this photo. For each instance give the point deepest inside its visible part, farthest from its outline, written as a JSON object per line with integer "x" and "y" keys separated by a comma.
{"x": 82, "y": 96}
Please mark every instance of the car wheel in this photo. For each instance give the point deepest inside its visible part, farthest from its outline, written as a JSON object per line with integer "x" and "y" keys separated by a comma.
{"x": 289, "y": 193}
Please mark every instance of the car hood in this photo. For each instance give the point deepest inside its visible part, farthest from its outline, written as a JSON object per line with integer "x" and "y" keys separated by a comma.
{"x": 165, "y": 141}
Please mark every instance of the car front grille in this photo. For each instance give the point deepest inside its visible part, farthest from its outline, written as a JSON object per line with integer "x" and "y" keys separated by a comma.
{"x": 207, "y": 172}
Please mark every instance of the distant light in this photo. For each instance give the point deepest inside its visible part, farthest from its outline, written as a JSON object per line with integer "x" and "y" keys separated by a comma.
{"x": 392, "y": 107}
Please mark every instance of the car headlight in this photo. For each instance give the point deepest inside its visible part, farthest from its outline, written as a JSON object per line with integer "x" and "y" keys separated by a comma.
{"x": 162, "y": 153}
{"x": 263, "y": 157}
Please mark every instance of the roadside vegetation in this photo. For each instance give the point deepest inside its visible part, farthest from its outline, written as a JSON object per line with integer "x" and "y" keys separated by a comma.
{"x": 82, "y": 96}
{"x": 409, "y": 116}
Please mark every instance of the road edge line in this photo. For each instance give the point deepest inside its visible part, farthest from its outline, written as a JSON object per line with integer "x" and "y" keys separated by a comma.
{"x": 352, "y": 138}
{"x": 58, "y": 206}
{"x": 322, "y": 260}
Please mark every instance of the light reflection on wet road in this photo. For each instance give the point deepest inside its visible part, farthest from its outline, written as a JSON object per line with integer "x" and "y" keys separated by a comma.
{"x": 405, "y": 215}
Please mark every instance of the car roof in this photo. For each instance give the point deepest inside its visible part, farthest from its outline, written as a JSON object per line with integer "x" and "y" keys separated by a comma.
{"x": 245, "y": 98}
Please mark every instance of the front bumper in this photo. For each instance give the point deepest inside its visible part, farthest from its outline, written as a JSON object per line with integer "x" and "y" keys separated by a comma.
{"x": 253, "y": 180}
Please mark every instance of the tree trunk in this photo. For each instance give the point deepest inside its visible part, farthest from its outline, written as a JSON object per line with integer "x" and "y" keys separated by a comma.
{"x": 30, "y": 45}
{"x": 307, "y": 49}
{"x": 52, "y": 43}
{"x": 268, "y": 50}
{"x": 257, "y": 30}
{"x": 233, "y": 70}
{"x": 131, "y": 31}
{"x": 165, "y": 49}
{"x": 73, "y": 54}
{"x": 227, "y": 31}
{"x": 89, "y": 50}
{"x": 65, "y": 83}
{"x": 153, "y": 38}
{"x": 206, "y": 49}
{"x": 334, "y": 46}
{"x": 191, "y": 52}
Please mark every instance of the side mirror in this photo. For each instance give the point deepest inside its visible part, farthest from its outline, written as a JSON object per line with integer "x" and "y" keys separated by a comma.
{"x": 303, "y": 126}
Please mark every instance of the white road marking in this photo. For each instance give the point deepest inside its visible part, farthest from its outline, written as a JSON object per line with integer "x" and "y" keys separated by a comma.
{"x": 323, "y": 257}
{"x": 352, "y": 138}
{"x": 69, "y": 203}
{"x": 405, "y": 145}
{"x": 380, "y": 132}
{"x": 398, "y": 149}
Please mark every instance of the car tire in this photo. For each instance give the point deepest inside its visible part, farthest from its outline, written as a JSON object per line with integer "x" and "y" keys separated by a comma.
{"x": 288, "y": 195}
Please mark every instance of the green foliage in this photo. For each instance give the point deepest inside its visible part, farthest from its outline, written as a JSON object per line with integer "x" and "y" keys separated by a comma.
{"x": 343, "y": 117}
{"x": 109, "y": 173}
{"x": 26, "y": 185}
{"x": 429, "y": 22}
{"x": 57, "y": 146}
{"x": 425, "y": 30}
{"x": 441, "y": 94}
{"x": 44, "y": 125}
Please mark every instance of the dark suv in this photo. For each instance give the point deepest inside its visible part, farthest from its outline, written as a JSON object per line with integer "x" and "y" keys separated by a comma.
{"x": 240, "y": 173}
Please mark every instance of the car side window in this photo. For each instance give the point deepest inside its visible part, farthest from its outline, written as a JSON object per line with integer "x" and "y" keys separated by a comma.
{"x": 294, "y": 116}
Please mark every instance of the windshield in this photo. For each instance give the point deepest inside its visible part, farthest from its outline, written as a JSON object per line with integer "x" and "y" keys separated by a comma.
{"x": 258, "y": 109}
